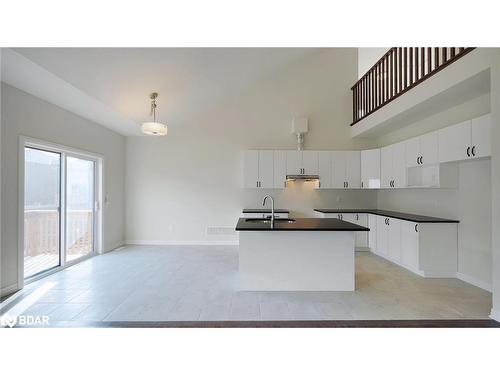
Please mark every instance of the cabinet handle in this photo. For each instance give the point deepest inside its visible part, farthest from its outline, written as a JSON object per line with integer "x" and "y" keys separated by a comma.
{"x": 347, "y": 184}
{"x": 418, "y": 162}
{"x": 362, "y": 184}
{"x": 416, "y": 228}
{"x": 473, "y": 150}
{"x": 357, "y": 217}
{"x": 256, "y": 183}
{"x": 421, "y": 160}
{"x": 468, "y": 151}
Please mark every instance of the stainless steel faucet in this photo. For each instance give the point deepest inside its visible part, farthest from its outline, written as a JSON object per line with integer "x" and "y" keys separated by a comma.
{"x": 272, "y": 208}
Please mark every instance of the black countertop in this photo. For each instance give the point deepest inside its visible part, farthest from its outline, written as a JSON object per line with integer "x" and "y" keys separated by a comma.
{"x": 264, "y": 211}
{"x": 393, "y": 214}
{"x": 299, "y": 224}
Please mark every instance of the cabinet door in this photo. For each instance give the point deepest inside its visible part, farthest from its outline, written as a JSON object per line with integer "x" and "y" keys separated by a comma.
{"x": 251, "y": 169}
{"x": 394, "y": 239}
{"x": 481, "y": 136}
{"x": 353, "y": 169}
{"x": 266, "y": 169}
{"x": 409, "y": 245}
{"x": 370, "y": 169}
{"x": 372, "y": 234}
{"x": 339, "y": 168}
{"x": 386, "y": 167}
{"x": 454, "y": 141}
{"x": 412, "y": 152}
{"x": 325, "y": 169}
{"x": 279, "y": 169}
{"x": 429, "y": 148}
{"x": 399, "y": 165}
{"x": 361, "y": 238}
{"x": 382, "y": 240}
{"x": 293, "y": 162}
{"x": 310, "y": 162}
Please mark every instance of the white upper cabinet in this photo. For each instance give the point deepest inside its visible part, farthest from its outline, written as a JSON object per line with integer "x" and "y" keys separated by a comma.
{"x": 346, "y": 169}
{"x": 399, "y": 165}
{"x": 454, "y": 142}
{"x": 468, "y": 140}
{"x": 429, "y": 148}
{"x": 310, "y": 162}
{"x": 422, "y": 150}
{"x": 393, "y": 166}
{"x": 481, "y": 136}
{"x": 266, "y": 169}
{"x": 325, "y": 169}
{"x": 302, "y": 162}
{"x": 370, "y": 169}
{"x": 279, "y": 169}
{"x": 386, "y": 167}
{"x": 251, "y": 169}
{"x": 353, "y": 172}
{"x": 339, "y": 167}
{"x": 258, "y": 169}
{"x": 293, "y": 162}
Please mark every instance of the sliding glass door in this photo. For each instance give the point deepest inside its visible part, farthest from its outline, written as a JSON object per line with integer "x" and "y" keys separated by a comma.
{"x": 80, "y": 216}
{"x": 42, "y": 208}
{"x": 60, "y": 203}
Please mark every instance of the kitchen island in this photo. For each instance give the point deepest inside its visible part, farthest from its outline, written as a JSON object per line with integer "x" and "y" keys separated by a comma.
{"x": 301, "y": 254}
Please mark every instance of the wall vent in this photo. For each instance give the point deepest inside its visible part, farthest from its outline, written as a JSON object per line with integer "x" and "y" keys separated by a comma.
{"x": 221, "y": 231}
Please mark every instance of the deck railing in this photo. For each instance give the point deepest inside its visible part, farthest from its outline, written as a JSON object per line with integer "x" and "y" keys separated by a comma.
{"x": 398, "y": 71}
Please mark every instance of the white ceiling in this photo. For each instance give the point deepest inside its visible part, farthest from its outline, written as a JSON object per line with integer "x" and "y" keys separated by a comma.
{"x": 188, "y": 80}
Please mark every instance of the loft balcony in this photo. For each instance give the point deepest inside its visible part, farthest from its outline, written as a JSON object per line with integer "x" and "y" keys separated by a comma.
{"x": 409, "y": 84}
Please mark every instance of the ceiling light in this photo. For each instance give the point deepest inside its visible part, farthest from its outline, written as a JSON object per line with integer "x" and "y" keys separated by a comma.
{"x": 154, "y": 128}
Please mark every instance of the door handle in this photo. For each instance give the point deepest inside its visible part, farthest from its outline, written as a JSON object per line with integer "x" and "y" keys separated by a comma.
{"x": 473, "y": 150}
{"x": 468, "y": 151}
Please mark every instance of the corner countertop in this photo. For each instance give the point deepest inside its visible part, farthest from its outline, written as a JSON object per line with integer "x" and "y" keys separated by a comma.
{"x": 393, "y": 214}
{"x": 299, "y": 224}
{"x": 264, "y": 211}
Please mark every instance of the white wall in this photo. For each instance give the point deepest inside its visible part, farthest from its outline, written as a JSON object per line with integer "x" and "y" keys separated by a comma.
{"x": 178, "y": 185}
{"x": 470, "y": 202}
{"x": 367, "y": 57}
{"x": 495, "y": 186}
{"x": 23, "y": 114}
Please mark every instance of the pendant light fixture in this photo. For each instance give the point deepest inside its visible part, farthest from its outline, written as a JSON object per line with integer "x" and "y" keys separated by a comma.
{"x": 154, "y": 128}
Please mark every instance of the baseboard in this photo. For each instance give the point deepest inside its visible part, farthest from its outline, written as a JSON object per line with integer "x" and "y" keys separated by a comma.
{"x": 9, "y": 290}
{"x": 114, "y": 247}
{"x": 474, "y": 281}
{"x": 495, "y": 315}
{"x": 181, "y": 243}
{"x": 439, "y": 274}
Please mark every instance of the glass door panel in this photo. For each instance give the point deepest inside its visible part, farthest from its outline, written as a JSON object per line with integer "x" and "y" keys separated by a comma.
{"x": 42, "y": 203}
{"x": 80, "y": 210}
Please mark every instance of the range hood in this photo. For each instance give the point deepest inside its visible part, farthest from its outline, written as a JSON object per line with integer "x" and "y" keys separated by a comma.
{"x": 306, "y": 177}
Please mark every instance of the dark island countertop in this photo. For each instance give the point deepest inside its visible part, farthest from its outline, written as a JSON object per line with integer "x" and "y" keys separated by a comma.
{"x": 393, "y": 214}
{"x": 264, "y": 211}
{"x": 298, "y": 224}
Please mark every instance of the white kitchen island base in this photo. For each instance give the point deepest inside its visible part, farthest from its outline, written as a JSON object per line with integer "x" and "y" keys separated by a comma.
{"x": 296, "y": 260}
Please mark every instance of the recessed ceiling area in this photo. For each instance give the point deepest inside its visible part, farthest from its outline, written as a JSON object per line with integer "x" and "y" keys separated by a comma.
{"x": 188, "y": 80}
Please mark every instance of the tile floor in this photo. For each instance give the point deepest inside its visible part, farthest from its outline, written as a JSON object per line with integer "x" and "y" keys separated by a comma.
{"x": 172, "y": 283}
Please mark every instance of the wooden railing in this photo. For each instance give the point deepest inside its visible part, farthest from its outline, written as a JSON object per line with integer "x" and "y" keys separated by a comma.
{"x": 41, "y": 232}
{"x": 398, "y": 71}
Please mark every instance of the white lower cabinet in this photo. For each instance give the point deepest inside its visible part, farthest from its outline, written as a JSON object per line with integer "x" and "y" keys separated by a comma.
{"x": 409, "y": 247}
{"x": 428, "y": 249}
{"x": 382, "y": 239}
{"x": 372, "y": 234}
{"x": 394, "y": 240}
{"x": 360, "y": 238}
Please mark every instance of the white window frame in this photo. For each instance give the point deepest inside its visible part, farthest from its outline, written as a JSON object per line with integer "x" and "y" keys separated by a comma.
{"x": 98, "y": 219}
